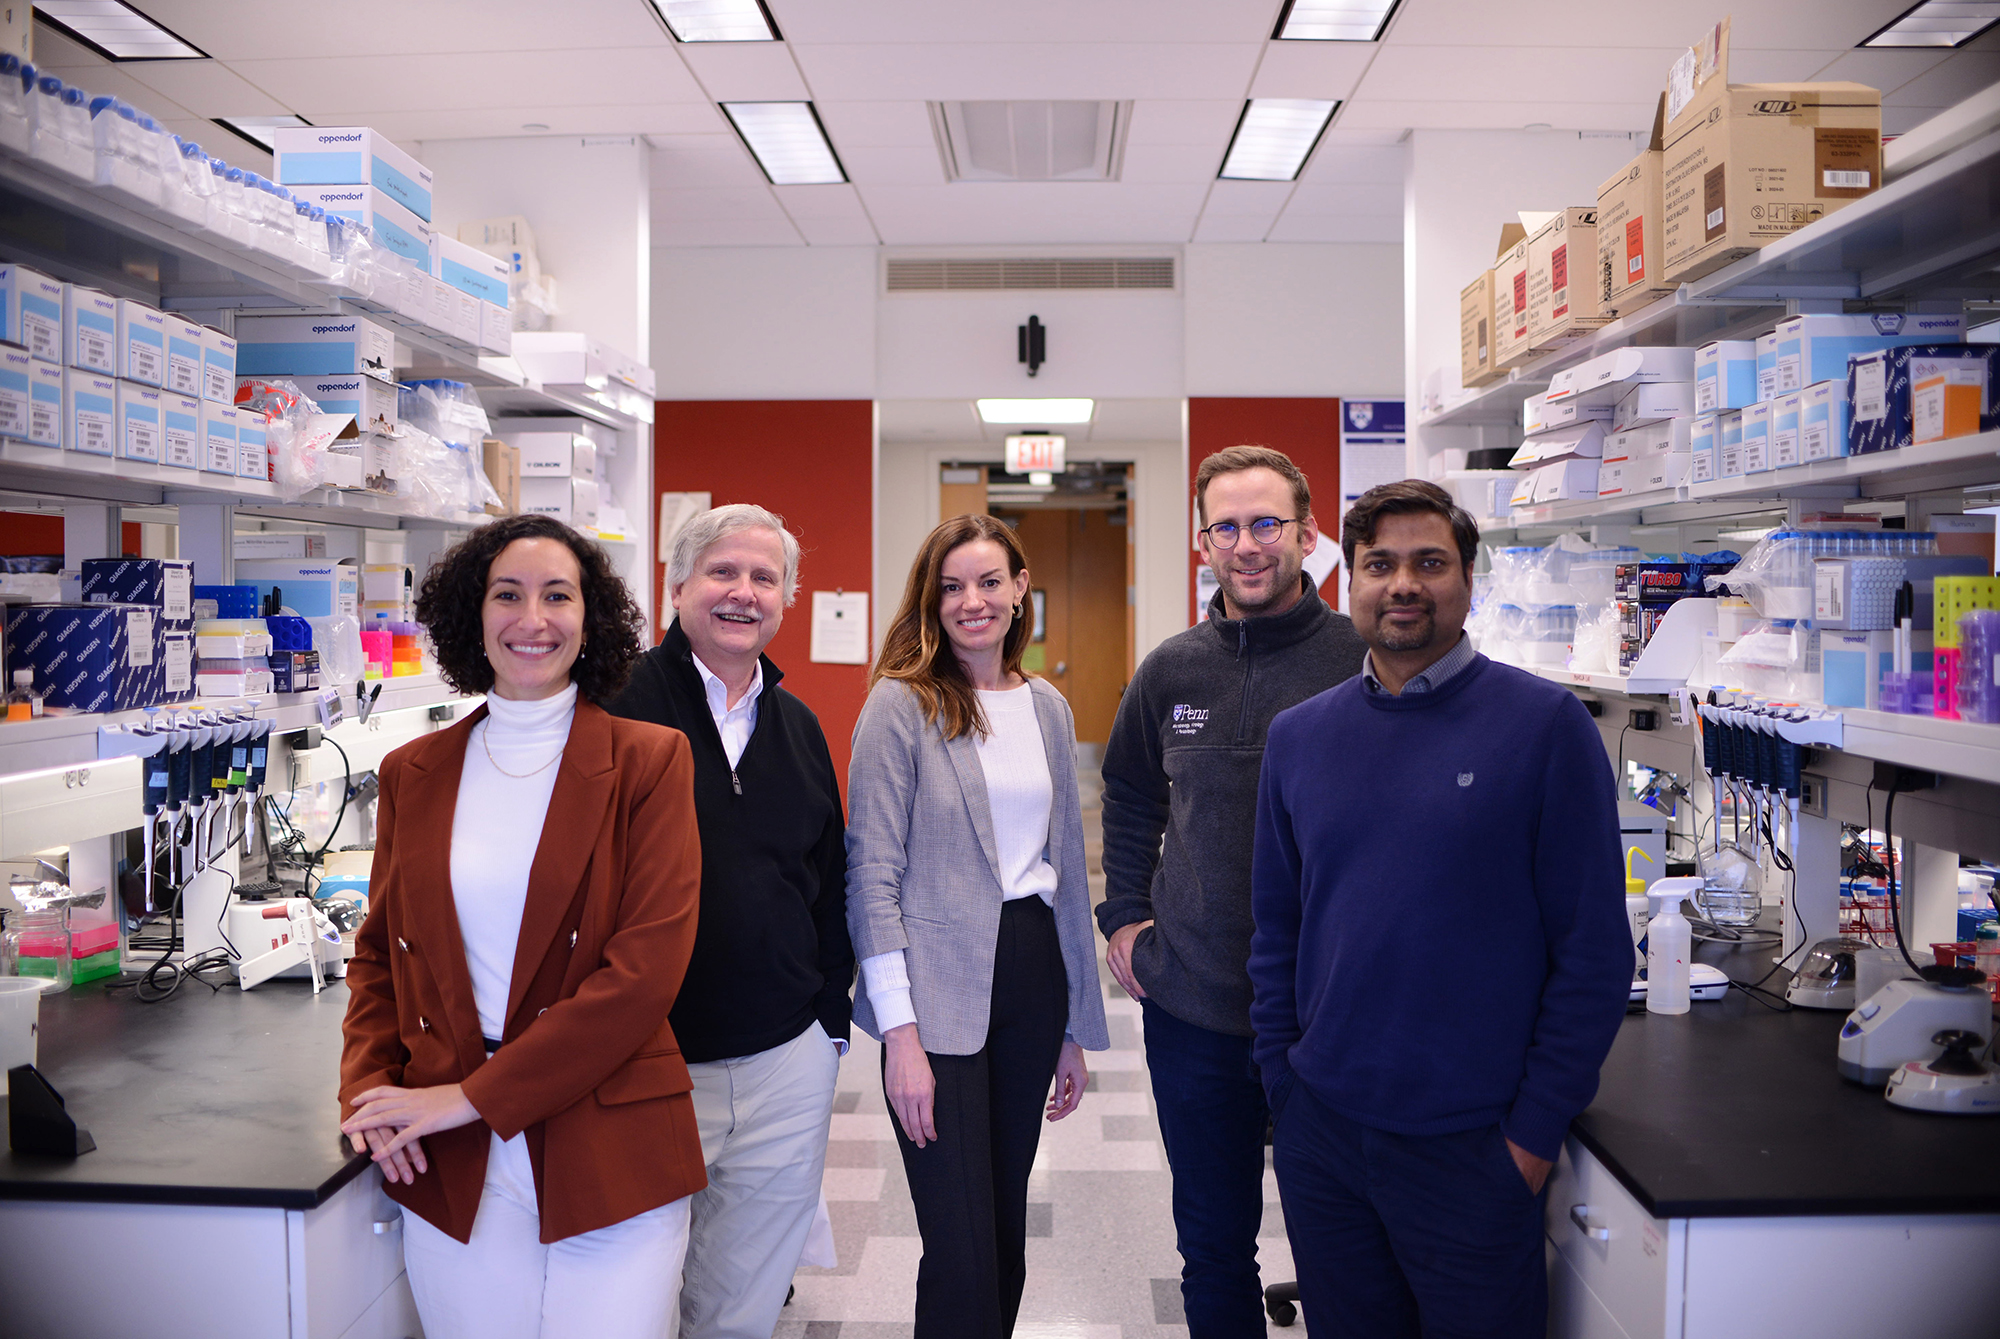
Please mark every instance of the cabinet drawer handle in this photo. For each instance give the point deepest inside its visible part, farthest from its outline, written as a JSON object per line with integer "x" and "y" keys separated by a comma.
{"x": 1580, "y": 1215}
{"x": 386, "y": 1225}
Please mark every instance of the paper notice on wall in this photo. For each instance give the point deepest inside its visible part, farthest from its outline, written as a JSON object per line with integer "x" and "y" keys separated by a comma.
{"x": 840, "y": 627}
{"x": 676, "y": 510}
{"x": 1371, "y": 451}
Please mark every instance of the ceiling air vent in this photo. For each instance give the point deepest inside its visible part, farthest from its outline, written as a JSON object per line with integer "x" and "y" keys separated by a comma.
{"x": 995, "y": 276}
{"x": 1031, "y": 141}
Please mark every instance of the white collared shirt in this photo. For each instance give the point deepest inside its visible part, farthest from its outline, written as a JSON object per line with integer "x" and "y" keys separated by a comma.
{"x": 736, "y": 723}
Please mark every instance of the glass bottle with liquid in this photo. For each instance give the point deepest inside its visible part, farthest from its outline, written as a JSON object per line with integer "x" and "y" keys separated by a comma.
{"x": 38, "y": 945}
{"x": 23, "y": 702}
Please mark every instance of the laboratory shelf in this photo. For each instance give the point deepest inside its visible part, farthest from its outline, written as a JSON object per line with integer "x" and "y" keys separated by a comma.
{"x": 1957, "y": 462}
{"x": 1607, "y": 683}
{"x": 1956, "y": 748}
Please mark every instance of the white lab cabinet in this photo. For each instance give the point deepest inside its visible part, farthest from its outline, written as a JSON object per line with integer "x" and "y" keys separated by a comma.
{"x": 1617, "y": 1272}
{"x": 224, "y": 1272}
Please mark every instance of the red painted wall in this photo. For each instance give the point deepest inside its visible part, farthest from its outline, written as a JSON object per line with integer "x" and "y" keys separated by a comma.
{"x": 1307, "y": 430}
{"x": 812, "y": 462}
{"x": 35, "y": 534}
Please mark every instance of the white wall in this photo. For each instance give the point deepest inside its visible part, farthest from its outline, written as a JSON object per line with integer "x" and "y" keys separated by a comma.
{"x": 1110, "y": 345}
{"x": 588, "y": 202}
{"x": 764, "y": 323}
{"x": 1301, "y": 319}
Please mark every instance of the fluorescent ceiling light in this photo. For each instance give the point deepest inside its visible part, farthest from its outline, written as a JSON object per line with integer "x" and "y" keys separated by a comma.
{"x": 1274, "y": 137}
{"x": 115, "y": 30}
{"x": 717, "y": 20}
{"x": 788, "y": 142}
{"x": 1036, "y": 411}
{"x": 1939, "y": 23}
{"x": 260, "y": 130}
{"x": 1334, "y": 20}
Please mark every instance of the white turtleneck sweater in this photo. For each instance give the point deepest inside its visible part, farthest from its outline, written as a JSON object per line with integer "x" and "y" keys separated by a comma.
{"x": 495, "y": 831}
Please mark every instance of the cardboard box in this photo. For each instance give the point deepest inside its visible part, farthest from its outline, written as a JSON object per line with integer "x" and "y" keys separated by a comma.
{"x": 1879, "y": 391}
{"x": 1653, "y": 402}
{"x": 1729, "y": 444}
{"x": 290, "y": 346}
{"x": 1566, "y": 480}
{"x": 31, "y": 312}
{"x": 1511, "y": 346}
{"x": 551, "y": 455}
{"x": 503, "y": 469}
{"x": 389, "y": 223}
{"x": 1823, "y": 421}
{"x": 184, "y": 341}
{"x": 369, "y": 399}
{"x": 571, "y": 501}
{"x": 1757, "y": 437}
{"x": 1785, "y": 444}
{"x": 86, "y": 657}
{"x": 1562, "y": 288}
{"x": 1704, "y": 432}
{"x": 496, "y": 330}
{"x": 1725, "y": 375}
{"x": 142, "y": 343}
{"x": 351, "y": 156}
{"x": 31, "y": 399}
{"x": 1807, "y": 349}
{"x": 1475, "y": 333}
{"x": 1747, "y": 164}
{"x": 218, "y": 366}
{"x": 90, "y": 330}
{"x": 218, "y": 438}
{"x": 180, "y": 431}
{"x": 90, "y": 412}
{"x": 141, "y": 424}
{"x": 1579, "y": 440}
{"x": 1539, "y": 415}
{"x": 253, "y": 445}
{"x": 1606, "y": 379}
{"x": 1767, "y": 367}
{"x": 312, "y": 588}
{"x": 1631, "y": 259}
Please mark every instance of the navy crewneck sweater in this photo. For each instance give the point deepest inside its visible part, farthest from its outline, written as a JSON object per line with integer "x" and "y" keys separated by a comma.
{"x": 1441, "y": 940}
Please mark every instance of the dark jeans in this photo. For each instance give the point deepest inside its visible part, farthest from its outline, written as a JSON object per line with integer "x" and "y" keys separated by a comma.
{"x": 1402, "y": 1235}
{"x": 970, "y": 1186}
{"x": 1212, "y": 1120}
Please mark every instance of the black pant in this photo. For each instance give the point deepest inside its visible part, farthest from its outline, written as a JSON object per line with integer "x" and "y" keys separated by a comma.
{"x": 970, "y": 1185}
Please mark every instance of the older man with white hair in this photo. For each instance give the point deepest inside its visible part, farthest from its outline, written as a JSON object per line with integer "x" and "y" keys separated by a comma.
{"x": 762, "y": 1016}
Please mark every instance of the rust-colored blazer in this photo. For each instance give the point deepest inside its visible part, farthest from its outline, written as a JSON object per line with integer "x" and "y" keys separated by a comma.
{"x": 589, "y": 1067}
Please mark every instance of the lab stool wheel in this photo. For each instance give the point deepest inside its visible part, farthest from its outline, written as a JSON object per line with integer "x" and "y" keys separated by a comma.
{"x": 1281, "y": 1303}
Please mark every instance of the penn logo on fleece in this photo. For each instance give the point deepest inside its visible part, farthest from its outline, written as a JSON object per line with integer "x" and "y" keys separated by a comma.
{"x": 1464, "y": 780}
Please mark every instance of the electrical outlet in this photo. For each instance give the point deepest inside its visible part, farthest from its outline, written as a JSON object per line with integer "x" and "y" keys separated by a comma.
{"x": 1812, "y": 794}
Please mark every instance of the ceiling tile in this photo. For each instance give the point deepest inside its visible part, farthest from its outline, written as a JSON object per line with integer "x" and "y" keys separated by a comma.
{"x": 999, "y": 70}
{"x": 1170, "y": 162}
{"x": 718, "y": 202}
{"x": 838, "y": 232}
{"x": 1207, "y": 123}
{"x": 443, "y": 81}
{"x": 1953, "y": 80}
{"x": 923, "y": 420}
{"x": 820, "y": 202}
{"x": 665, "y": 120}
{"x": 1348, "y": 163}
{"x": 1294, "y": 226}
{"x": 1312, "y": 69}
{"x": 1774, "y": 67}
{"x": 1342, "y": 134}
{"x": 1136, "y": 421}
{"x": 892, "y": 165}
{"x": 1033, "y": 213}
{"x": 274, "y": 29}
{"x": 473, "y": 122}
{"x": 1880, "y": 69}
{"x": 208, "y": 88}
{"x": 1477, "y": 74}
{"x": 1232, "y": 228}
{"x": 875, "y": 124}
{"x": 113, "y": 81}
{"x": 1768, "y": 25}
{"x": 723, "y": 232}
{"x": 1350, "y": 197}
{"x": 685, "y": 161}
{"x": 927, "y": 21}
{"x": 1258, "y": 198}
{"x": 1441, "y": 115}
{"x": 745, "y": 71}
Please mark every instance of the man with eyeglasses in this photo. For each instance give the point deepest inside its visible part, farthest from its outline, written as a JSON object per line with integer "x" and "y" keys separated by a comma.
{"x": 1180, "y": 802}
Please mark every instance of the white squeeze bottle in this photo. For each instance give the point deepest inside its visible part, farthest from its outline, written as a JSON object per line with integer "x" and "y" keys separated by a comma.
{"x": 1668, "y": 943}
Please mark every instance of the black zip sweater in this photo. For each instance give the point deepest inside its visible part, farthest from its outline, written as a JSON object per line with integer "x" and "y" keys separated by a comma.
{"x": 771, "y": 952}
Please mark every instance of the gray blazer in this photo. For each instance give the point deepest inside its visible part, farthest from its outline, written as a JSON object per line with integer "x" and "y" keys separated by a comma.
{"x": 923, "y": 872}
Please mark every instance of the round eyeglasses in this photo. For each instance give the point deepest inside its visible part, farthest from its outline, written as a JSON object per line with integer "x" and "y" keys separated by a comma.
{"x": 1265, "y": 530}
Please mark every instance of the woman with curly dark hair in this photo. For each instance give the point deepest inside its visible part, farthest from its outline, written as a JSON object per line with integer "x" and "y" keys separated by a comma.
{"x": 508, "y": 1063}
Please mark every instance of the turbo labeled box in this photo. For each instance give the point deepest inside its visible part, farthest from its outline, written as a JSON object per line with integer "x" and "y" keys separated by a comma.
{"x": 496, "y": 330}
{"x": 291, "y": 346}
{"x": 90, "y": 412}
{"x": 142, "y": 343}
{"x": 1725, "y": 375}
{"x": 1729, "y": 444}
{"x": 1823, "y": 421}
{"x": 351, "y": 156}
{"x": 1786, "y": 448}
{"x": 549, "y": 455}
{"x": 184, "y": 343}
{"x": 31, "y": 312}
{"x": 1475, "y": 333}
{"x": 218, "y": 366}
{"x": 1816, "y": 348}
{"x": 141, "y": 424}
{"x": 1767, "y": 367}
{"x": 1511, "y": 346}
{"x": 1562, "y": 288}
{"x": 32, "y": 410}
{"x": 218, "y": 438}
{"x": 164, "y": 584}
{"x": 180, "y": 430}
{"x": 1653, "y": 403}
{"x": 369, "y": 399}
{"x": 389, "y": 223}
{"x": 1631, "y": 262}
{"x": 90, "y": 330}
{"x": 312, "y": 588}
{"x": 1747, "y": 164}
{"x": 86, "y": 657}
{"x": 571, "y": 501}
{"x": 1879, "y": 391}
{"x": 1757, "y": 437}
{"x": 1703, "y": 435}
{"x": 471, "y": 270}
{"x": 253, "y": 445}
{"x": 1608, "y": 378}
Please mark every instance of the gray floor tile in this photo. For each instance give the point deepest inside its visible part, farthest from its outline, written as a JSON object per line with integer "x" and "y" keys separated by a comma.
{"x": 1167, "y": 1306}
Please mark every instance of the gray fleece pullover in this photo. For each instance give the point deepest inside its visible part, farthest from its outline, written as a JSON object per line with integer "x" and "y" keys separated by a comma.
{"x": 1182, "y": 765}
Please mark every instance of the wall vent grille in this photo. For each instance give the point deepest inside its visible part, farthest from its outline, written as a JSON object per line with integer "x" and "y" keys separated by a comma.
{"x": 995, "y": 276}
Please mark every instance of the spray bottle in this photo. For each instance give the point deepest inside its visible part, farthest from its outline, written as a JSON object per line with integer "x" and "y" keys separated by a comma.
{"x": 1668, "y": 943}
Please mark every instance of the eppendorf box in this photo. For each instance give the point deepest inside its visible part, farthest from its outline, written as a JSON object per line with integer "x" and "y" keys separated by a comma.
{"x": 351, "y": 156}
{"x": 1562, "y": 287}
{"x": 1747, "y": 164}
{"x": 285, "y": 346}
{"x": 1631, "y": 258}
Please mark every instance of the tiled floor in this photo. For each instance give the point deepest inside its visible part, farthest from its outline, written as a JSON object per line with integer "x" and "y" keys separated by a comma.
{"x": 1101, "y": 1258}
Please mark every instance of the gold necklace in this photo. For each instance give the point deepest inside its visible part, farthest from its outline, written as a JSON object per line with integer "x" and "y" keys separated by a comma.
{"x": 518, "y": 776}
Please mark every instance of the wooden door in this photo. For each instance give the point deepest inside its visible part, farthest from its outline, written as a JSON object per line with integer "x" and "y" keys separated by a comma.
{"x": 1077, "y": 559}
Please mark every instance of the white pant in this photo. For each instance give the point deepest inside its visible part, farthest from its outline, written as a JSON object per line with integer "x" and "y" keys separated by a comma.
{"x": 764, "y": 1121}
{"x": 619, "y": 1282}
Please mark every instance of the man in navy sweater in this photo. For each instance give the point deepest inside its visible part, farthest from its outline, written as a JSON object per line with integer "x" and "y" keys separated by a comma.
{"x": 1441, "y": 958}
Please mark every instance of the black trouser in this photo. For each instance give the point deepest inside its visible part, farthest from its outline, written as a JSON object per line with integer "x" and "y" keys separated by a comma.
{"x": 970, "y": 1185}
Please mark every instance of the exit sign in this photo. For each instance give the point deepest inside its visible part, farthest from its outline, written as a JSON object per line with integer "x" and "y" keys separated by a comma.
{"x": 1044, "y": 451}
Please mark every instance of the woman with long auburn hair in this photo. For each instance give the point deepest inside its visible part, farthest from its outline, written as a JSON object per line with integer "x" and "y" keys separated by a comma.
{"x": 968, "y": 905}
